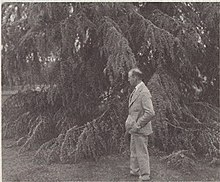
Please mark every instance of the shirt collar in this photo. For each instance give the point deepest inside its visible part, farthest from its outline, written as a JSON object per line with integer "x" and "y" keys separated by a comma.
{"x": 138, "y": 85}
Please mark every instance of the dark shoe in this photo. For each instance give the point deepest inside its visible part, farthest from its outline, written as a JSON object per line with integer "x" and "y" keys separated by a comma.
{"x": 132, "y": 173}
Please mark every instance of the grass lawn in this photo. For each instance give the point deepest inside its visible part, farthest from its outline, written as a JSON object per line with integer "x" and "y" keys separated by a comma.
{"x": 109, "y": 168}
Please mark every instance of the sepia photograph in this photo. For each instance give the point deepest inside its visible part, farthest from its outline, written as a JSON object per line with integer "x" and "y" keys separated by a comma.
{"x": 110, "y": 91}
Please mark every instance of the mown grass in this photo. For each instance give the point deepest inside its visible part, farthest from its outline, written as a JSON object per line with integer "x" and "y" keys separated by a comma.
{"x": 109, "y": 168}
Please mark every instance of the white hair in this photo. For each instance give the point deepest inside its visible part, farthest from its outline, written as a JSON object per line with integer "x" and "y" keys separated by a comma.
{"x": 136, "y": 72}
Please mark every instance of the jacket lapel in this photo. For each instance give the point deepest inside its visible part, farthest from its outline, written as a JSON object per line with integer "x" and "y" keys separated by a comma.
{"x": 135, "y": 95}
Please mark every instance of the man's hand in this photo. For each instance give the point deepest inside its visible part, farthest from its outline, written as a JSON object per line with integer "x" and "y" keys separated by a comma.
{"x": 136, "y": 127}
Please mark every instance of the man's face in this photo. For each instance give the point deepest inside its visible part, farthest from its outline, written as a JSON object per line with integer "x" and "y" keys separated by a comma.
{"x": 132, "y": 79}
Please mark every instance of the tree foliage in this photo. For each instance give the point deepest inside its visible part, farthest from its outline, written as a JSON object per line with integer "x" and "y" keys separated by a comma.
{"x": 80, "y": 53}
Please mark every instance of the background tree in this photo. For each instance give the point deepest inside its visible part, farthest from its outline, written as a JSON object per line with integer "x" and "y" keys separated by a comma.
{"x": 80, "y": 54}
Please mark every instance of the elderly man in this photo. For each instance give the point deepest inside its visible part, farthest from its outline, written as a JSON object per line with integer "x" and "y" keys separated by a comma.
{"x": 138, "y": 124}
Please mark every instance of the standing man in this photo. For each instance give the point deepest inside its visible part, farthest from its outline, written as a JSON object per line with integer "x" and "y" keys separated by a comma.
{"x": 138, "y": 124}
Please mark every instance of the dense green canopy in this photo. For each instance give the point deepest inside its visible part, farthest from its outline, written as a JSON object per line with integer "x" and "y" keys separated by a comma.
{"x": 80, "y": 53}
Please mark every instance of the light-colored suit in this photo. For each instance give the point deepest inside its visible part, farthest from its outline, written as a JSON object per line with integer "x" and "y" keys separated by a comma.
{"x": 138, "y": 124}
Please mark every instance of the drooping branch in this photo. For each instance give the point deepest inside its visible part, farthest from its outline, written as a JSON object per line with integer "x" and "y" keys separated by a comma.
{"x": 160, "y": 44}
{"x": 115, "y": 48}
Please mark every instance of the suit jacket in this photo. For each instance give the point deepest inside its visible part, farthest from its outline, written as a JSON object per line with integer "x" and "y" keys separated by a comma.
{"x": 140, "y": 112}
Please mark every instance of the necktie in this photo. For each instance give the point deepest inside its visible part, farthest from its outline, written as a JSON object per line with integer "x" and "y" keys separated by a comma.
{"x": 132, "y": 95}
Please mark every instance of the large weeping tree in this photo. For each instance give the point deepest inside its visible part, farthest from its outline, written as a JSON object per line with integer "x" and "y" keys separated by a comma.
{"x": 79, "y": 55}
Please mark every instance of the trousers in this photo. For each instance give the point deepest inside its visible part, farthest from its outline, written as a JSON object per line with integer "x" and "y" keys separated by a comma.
{"x": 139, "y": 158}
